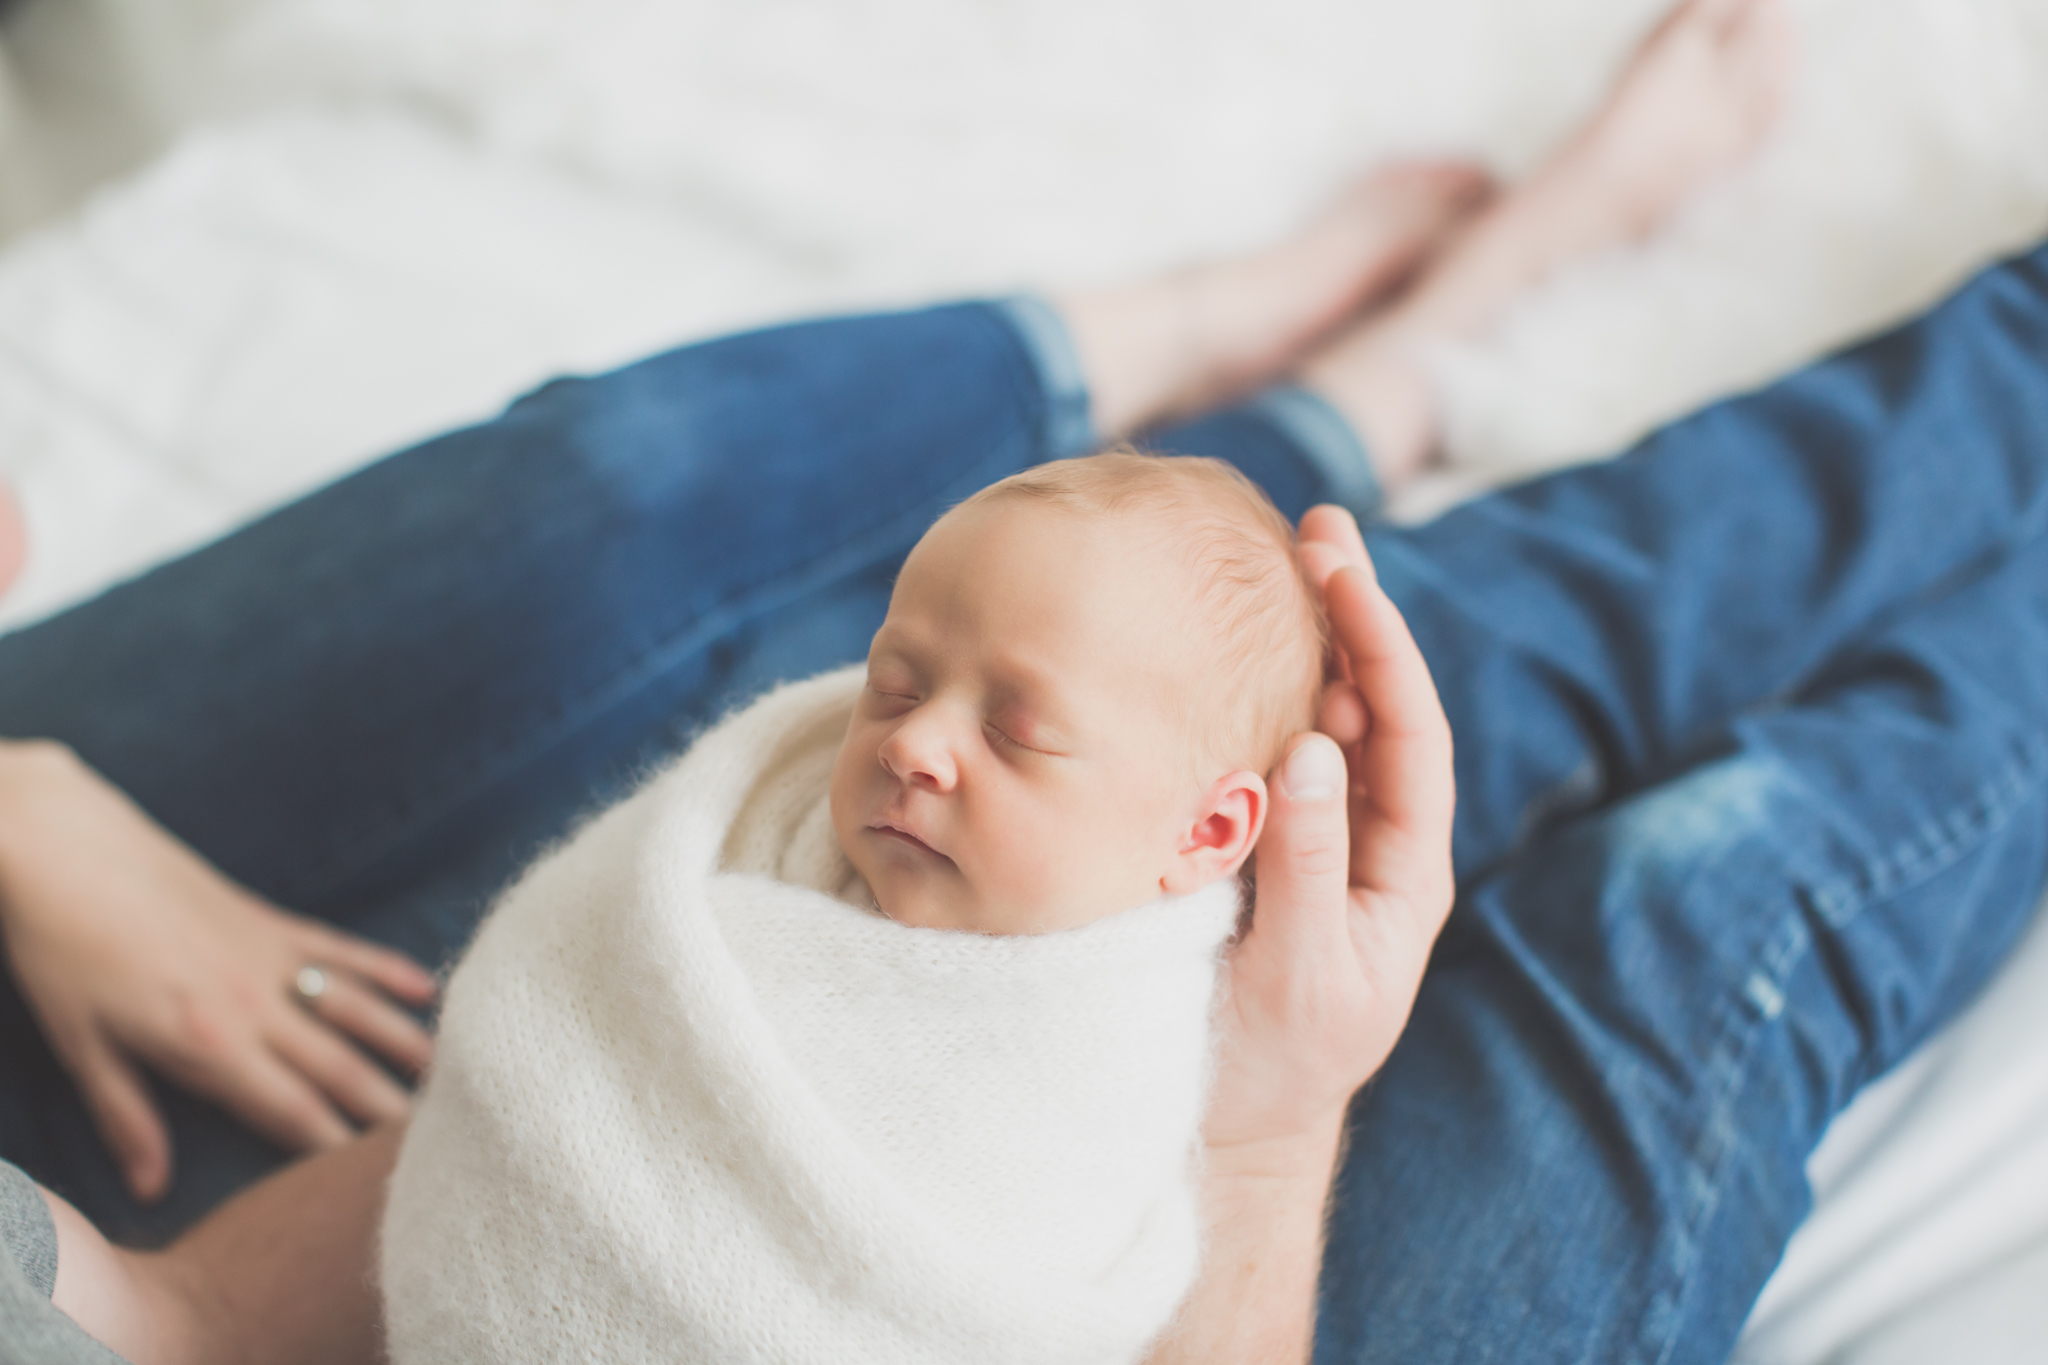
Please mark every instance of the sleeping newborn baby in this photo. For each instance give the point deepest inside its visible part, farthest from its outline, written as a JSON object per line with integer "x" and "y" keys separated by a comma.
{"x": 876, "y": 1028}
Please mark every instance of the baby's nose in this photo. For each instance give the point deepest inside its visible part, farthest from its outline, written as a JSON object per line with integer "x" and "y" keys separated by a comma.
{"x": 920, "y": 752}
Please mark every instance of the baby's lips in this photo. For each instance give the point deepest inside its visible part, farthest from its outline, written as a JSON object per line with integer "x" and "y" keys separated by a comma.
{"x": 901, "y": 830}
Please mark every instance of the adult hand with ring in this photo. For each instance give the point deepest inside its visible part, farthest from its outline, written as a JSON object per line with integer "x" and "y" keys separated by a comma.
{"x": 133, "y": 952}
{"x": 309, "y": 985}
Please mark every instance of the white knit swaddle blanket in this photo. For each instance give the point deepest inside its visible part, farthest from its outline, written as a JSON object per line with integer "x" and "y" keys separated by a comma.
{"x": 688, "y": 1105}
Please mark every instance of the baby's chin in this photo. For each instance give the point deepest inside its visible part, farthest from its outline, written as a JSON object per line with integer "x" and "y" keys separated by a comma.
{"x": 918, "y": 903}
{"x": 922, "y": 898}
{"x": 925, "y": 891}
{"x": 912, "y": 900}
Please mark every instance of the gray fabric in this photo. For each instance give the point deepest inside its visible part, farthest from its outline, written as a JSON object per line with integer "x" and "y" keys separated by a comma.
{"x": 32, "y": 1330}
{"x": 26, "y": 1229}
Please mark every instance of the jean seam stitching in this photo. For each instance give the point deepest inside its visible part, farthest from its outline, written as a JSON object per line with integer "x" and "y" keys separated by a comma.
{"x": 754, "y": 599}
{"x": 1939, "y": 841}
{"x": 1990, "y": 806}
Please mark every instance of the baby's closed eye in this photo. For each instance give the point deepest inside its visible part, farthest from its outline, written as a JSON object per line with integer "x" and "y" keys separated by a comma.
{"x": 1009, "y": 728}
{"x": 876, "y": 702}
{"x": 1001, "y": 740}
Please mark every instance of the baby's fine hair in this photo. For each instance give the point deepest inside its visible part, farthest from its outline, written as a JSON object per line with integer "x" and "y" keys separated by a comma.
{"x": 1266, "y": 619}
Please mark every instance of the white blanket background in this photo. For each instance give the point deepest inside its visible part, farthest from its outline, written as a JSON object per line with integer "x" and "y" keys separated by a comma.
{"x": 381, "y": 217}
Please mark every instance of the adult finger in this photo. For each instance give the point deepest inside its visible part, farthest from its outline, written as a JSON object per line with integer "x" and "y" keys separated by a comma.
{"x": 266, "y": 1093}
{"x": 1319, "y": 560}
{"x": 358, "y": 1086}
{"x": 118, "y": 1098}
{"x": 1329, "y": 540}
{"x": 1336, "y": 528}
{"x": 1404, "y": 765}
{"x": 1341, "y": 713}
{"x": 1303, "y": 855}
{"x": 387, "y": 967}
{"x": 356, "y": 1010}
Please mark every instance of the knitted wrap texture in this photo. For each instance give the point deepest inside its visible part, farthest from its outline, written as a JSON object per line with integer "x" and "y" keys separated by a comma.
{"x": 690, "y": 1104}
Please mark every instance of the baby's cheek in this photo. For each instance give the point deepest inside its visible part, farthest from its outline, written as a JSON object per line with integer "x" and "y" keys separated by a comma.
{"x": 849, "y": 777}
{"x": 1111, "y": 857}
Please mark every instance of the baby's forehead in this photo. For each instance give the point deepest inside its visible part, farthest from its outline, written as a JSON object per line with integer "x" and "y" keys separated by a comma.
{"x": 1152, "y": 517}
{"x": 1179, "y": 578}
{"x": 1224, "y": 581}
{"x": 1173, "y": 562}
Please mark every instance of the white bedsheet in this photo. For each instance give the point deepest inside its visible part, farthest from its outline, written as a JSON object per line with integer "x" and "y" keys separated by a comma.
{"x": 272, "y": 304}
{"x": 405, "y": 211}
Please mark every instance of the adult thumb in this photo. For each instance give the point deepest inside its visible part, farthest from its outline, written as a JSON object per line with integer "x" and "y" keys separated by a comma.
{"x": 1304, "y": 857}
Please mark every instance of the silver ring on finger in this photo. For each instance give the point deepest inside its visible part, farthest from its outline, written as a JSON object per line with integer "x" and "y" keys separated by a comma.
{"x": 309, "y": 984}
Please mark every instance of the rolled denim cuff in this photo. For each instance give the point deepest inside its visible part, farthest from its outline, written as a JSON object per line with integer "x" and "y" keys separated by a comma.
{"x": 1326, "y": 440}
{"x": 1069, "y": 428}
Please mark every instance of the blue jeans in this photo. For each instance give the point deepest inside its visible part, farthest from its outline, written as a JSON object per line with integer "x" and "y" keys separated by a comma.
{"x": 1753, "y": 775}
{"x": 1746, "y": 808}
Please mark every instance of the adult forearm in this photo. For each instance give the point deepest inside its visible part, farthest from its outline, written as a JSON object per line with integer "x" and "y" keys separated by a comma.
{"x": 1255, "y": 1301}
{"x": 27, "y": 767}
{"x": 286, "y": 1271}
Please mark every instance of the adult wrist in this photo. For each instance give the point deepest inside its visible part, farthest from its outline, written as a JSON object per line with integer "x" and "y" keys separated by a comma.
{"x": 1264, "y": 1201}
{"x": 29, "y": 766}
{"x": 28, "y": 770}
{"x": 1307, "y": 1154}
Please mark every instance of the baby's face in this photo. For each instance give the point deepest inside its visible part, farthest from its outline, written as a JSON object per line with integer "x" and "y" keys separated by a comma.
{"x": 1019, "y": 761}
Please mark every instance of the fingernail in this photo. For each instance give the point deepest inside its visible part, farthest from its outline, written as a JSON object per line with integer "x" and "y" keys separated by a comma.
{"x": 1314, "y": 772}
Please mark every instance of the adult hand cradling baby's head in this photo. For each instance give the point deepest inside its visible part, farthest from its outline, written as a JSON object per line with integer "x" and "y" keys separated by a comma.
{"x": 1354, "y": 875}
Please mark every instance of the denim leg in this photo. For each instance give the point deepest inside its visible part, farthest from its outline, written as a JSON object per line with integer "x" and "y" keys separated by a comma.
{"x": 1588, "y": 630}
{"x": 364, "y": 674}
{"x": 374, "y": 704}
{"x": 1590, "y": 1145}
{"x": 1291, "y": 443}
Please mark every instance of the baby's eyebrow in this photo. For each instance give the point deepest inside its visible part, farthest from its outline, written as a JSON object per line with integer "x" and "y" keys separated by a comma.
{"x": 893, "y": 645}
{"x": 1018, "y": 676}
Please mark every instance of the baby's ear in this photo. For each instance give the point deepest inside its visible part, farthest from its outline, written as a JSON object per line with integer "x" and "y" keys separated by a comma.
{"x": 1228, "y": 818}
